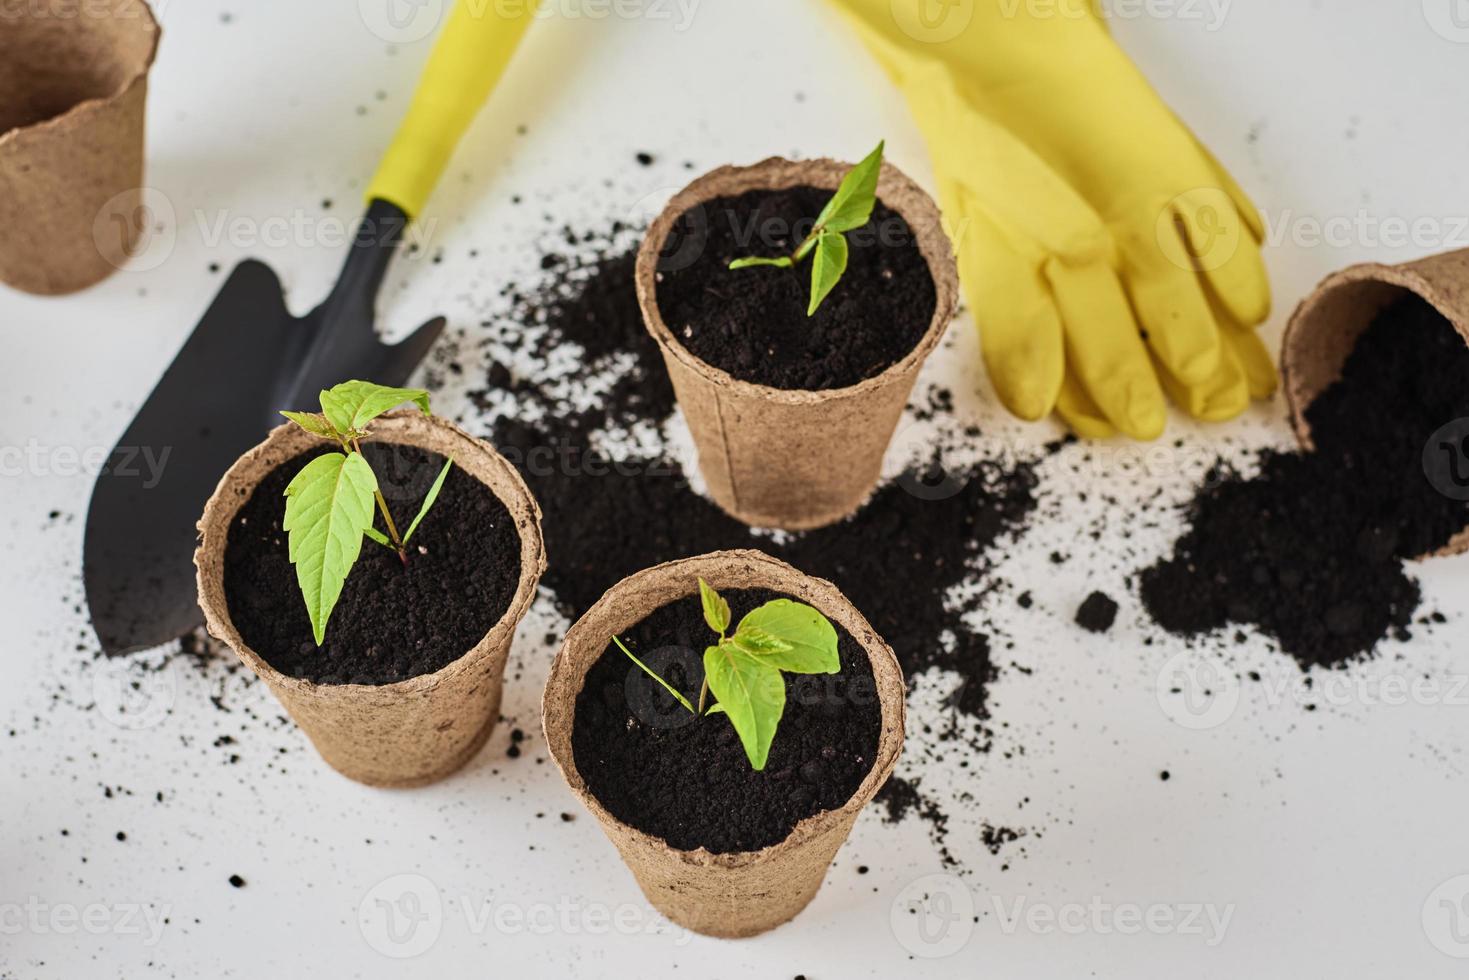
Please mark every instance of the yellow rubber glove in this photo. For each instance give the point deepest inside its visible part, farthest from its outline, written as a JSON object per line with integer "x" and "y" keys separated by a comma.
{"x": 1106, "y": 255}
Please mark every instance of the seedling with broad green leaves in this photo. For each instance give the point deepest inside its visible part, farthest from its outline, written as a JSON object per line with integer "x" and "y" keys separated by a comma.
{"x": 743, "y": 670}
{"x": 329, "y": 504}
{"x": 849, "y": 209}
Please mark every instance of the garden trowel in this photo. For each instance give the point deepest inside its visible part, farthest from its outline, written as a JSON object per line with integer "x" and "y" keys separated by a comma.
{"x": 249, "y": 357}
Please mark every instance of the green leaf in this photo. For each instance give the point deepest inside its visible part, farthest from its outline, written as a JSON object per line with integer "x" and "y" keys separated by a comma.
{"x": 851, "y": 206}
{"x": 753, "y": 694}
{"x": 378, "y": 536}
{"x": 328, "y": 509}
{"x": 807, "y": 639}
{"x": 716, "y": 610}
{"x": 715, "y": 709}
{"x": 784, "y": 262}
{"x": 352, "y": 404}
{"x": 649, "y": 671}
{"x": 315, "y": 423}
{"x": 428, "y": 501}
{"x": 760, "y": 643}
{"x": 827, "y": 268}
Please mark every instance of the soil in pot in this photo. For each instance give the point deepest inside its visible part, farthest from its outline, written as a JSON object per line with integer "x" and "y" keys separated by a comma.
{"x": 752, "y": 323}
{"x": 1312, "y": 549}
{"x": 392, "y": 622}
{"x": 657, "y": 768}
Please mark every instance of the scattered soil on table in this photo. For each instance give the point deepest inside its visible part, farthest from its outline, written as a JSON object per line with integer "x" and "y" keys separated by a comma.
{"x": 1097, "y": 613}
{"x": 686, "y": 780}
{"x": 753, "y": 323}
{"x": 392, "y": 622}
{"x": 1312, "y": 549}
{"x": 609, "y": 512}
{"x": 609, "y": 515}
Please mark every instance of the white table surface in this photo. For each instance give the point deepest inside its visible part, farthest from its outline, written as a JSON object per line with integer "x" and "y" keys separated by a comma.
{"x": 1333, "y": 839}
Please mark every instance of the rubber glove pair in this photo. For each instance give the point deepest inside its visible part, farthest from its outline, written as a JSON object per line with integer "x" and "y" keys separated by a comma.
{"x": 1106, "y": 255}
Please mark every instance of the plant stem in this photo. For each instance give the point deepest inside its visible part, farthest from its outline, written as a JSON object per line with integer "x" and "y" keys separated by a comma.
{"x": 703, "y": 695}
{"x": 382, "y": 505}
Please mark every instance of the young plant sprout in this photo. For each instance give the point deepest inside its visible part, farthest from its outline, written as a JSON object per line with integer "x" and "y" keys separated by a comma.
{"x": 743, "y": 669}
{"x": 849, "y": 209}
{"x": 329, "y": 503}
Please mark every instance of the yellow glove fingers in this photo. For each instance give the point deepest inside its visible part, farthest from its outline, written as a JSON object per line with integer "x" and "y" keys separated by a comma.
{"x": 1221, "y": 396}
{"x": 1253, "y": 357}
{"x": 1019, "y": 328}
{"x": 1224, "y": 253}
{"x": 1242, "y": 203}
{"x": 1079, "y": 412}
{"x": 1104, "y": 349}
{"x": 1170, "y": 302}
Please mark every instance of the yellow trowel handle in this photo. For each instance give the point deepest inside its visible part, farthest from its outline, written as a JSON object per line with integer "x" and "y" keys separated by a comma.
{"x": 468, "y": 59}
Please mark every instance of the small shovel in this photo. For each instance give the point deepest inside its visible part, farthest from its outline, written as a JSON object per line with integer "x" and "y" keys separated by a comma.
{"x": 248, "y": 358}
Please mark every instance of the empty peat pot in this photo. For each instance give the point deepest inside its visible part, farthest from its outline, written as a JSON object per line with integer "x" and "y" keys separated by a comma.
{"x": 417, "y": 729}
{"x": 726, "y": 891}
{"x": 783, "y": 456}
{"x": 73, "y": 82}
{"x": 1325, "y": 327}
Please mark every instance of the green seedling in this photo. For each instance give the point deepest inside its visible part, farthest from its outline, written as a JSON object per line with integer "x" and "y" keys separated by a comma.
{"x": 849, "y": 209}
{"x": 329, "y": 504}
{"x": 743, "y": 669}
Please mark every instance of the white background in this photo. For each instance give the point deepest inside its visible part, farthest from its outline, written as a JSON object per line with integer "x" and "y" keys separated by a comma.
{"x": 1329, "y": 836}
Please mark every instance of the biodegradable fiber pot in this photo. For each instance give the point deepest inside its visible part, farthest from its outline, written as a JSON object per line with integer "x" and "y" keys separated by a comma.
{"x": 743, "y": 893}
{"x": 411, "y": 732}
{"x": 73, "y": 81}
{"x": 1324, "y": 328}
{"x": 830, "y": 443}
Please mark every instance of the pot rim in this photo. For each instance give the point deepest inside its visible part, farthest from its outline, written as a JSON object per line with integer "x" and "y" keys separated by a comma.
{"x": 79, "y": 111}
{"x": 762, "y": 571}
{"x": 400, "y": 426}
{"x": 895, "y": 189}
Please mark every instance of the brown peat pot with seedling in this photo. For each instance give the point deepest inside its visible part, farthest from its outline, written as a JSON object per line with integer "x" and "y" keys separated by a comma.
{"x": 371, "y": 566}
{"x": 1325, "y": 330}
{"x": 725, "y": 718}
{"x": 794, "y": 303}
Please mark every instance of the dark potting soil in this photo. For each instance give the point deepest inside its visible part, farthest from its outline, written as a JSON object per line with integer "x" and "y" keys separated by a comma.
{"x": 392, "y": 622}
{"x": 753, "y": 323}
{"x": 1312, "y": 549}
{"x": 1097, "y": 613}
{"x": 659, "y": 769}
{"x": 610, "y": 511}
